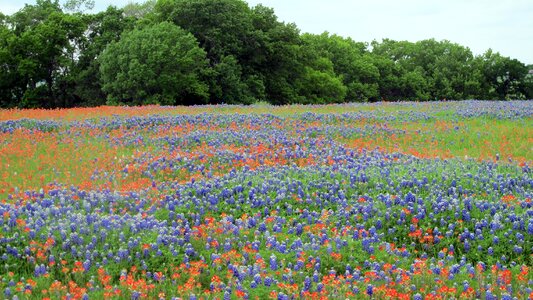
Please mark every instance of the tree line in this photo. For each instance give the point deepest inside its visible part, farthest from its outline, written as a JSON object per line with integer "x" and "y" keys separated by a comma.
{"x": 183, "y": 52}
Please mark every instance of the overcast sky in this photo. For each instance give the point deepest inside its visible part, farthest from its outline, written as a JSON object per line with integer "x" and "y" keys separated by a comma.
{"x": 505, "y": 26}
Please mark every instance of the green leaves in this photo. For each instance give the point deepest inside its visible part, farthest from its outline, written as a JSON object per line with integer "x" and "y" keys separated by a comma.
{"x": 158, "y": 63}
{"x": 320, "y": 85}
{"x": 78, "y": 5}
{"x": 39, "y": 46}
{"x": 241, "y": 55}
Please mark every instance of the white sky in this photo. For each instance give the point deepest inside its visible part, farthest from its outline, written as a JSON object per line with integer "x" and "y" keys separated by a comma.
{"x": 505, "y": 26}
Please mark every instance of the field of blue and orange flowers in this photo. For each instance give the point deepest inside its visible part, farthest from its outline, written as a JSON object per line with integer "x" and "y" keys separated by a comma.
{"x": 390, "y": 201}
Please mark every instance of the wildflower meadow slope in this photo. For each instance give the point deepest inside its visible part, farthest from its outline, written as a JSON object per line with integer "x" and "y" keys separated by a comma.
{"x": 385, "y": 201}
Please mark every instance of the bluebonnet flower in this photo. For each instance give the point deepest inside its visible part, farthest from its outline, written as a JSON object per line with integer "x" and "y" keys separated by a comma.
{"x": 369, "y": 290}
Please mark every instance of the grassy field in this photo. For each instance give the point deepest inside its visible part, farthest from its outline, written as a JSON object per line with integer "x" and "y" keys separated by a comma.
{"x": 385, "y": 200}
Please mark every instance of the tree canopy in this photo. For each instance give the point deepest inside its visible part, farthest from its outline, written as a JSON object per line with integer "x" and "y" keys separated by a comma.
{"x": 56, "y": 54}
{"x": 159, "y": 63}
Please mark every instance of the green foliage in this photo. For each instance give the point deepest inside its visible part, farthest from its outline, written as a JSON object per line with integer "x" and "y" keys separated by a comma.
{"x": 430, "y": 69}
{"x": 41, "y": 46}
{"x": 220, "y": 26}
{"x": 225, "y": 30}
{"x": 350, "y": 61}
{"x": 139, "y": 10}
{"x": 277, "y": 58}
{"x": 101, "y": 29}
{"x": 8, "y": 68}
{"x": 78, "y": 5}
{"x": 242, "y": 55}
{"x": 229, "y": 87}
{"x": 320, "y": 85}
{"x": 159, "y": 63}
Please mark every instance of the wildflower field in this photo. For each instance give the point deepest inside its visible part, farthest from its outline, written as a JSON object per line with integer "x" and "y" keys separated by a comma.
{"x": 384, "y": 201}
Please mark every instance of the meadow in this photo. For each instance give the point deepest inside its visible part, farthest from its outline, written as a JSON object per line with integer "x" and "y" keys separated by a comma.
{"x": 384, "y": 200}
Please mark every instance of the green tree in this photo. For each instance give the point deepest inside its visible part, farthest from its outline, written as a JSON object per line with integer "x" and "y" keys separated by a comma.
{"x": 451, "y": 69}
{"x": 225, "y": 31}
{"x": 229, "y": 87}
{"x": 78, "y": 5}
{"x": 528, "y": 83}
{"x": 49, "y": 58}
{"x": 351, "y": 62}
{"x": 386, "y": 56}
{"x": 414, "y": 85}
{"x": 278, "y": 58}
{"x": 320, "y": 85}
{"x": 429, "y": 69}
{"x": 222, "y": 27}
{"x": 158, "y": 63}
{"x": 502, "y": 77}
{"x": 102, "y": 29}
{"x": 9, "y": 87}
{"x": 42, "y": 48}
{"x": 139, "y": 10}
